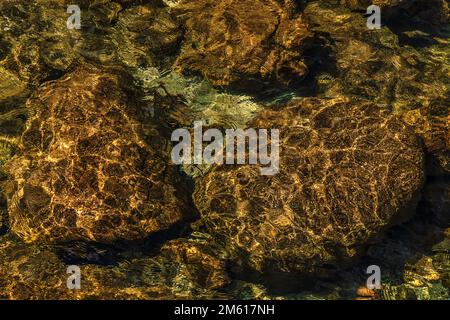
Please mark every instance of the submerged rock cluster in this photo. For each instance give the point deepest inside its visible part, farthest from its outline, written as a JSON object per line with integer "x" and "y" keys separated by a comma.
{"x": 87, "y": 179}
{"x": 85, "y": 169}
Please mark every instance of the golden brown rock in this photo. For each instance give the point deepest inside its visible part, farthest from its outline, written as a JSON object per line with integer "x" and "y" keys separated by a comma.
{"x": 348, "y": 170}
{"x": 29, "y": 271}
{"x": 203, "y": 266}
{"x": 35, "y": 40}
{"x": 230, "y": 41}
{"x": 403, "y": 67}
{"x": 87, "y": 169}
{"x": 152, "y": 27}
{"x": 22, "y": 270}
{"x": 421, "y": 271}
{"x": 433, "y": 124}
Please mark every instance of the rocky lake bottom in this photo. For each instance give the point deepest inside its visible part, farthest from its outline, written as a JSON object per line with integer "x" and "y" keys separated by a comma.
{"x": 92, "y": 91}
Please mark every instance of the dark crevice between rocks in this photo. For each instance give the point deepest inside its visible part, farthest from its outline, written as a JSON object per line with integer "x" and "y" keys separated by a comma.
{"x": 435, "y": 179}
{"x": 84, "y": 252}
{"x": 301, "y": 4}
{"x": 322, "y": 60}
{"x": 282, "y": 283}
{"x": 3, "y": 208}
{"x": 53, "y": 74}
{"x": 413, "y": 24}
{"x": 5, "y": 49}
{"x": 132, "y": 3}
{"x": 12, "y": 103}
{"x": 406, "y": 242}
{"x": 414, "y": 30}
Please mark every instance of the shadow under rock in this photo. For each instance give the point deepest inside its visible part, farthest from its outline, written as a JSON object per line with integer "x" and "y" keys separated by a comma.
{"x": 406, "y": 243}
{"x": 85, "y": 252}
{"x": 320, "y": 60}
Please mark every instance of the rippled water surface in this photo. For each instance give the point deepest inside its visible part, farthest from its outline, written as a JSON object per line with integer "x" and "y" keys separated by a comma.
{"x": 87, "y": 177}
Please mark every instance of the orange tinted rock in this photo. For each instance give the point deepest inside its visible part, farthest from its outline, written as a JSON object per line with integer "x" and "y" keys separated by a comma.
{"x": 232, "y": 41}
{"x": 203, "y": 265}
{"x": 85, "y": 169}
{"x": 348, "y": 171}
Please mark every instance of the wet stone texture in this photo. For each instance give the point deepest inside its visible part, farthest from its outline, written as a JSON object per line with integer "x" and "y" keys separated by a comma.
{"x": 37, "y": 272}
{"x": 35, "y": 42}
{"x": 87, "y": 169}
{"x": 347, "y": 172}
{"x": 203, "y": 264}
{"x": 84, "y": 150}
{"x": 36, "y": 45}
{"x": 230, "y": 42}
{"x": 404, "y": 66}
{"x": 137, "y": 36}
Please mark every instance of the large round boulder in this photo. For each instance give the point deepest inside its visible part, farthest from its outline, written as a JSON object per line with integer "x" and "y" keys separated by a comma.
{"x": 348, "y": 170}
{"x": 87, "y": 169}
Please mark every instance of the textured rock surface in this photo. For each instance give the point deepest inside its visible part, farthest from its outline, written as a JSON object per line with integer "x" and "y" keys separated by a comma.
{"x": 249, "y": 45}
{"x": 36, "y": 44}
{"x": 418, "y": 265}
{"x": 201, "y": 262}
{"x": 3, "y": 217}
{"x": 403, "y": 66}
{"x": 87, "y": 169}
{"x": 35, "y": 40}
{"x": 36, "y": 272}
{"x": 230, "y": 42}
{"x": 424, "y": 9}
{"x": 138, "y": 36}
{"x": 347, "y": 171}
{"x": 433, "y": 124}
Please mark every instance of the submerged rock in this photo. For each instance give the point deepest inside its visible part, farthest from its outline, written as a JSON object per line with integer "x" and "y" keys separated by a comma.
{"x": 10, "y": 85}
{"x": 402, "y": 66}
{"x": 432, "y": 122}
{"x": 425, "y": 276}
{"x": 231, "y": 42}
{"x": 36, "y": 44}
{"x": 139, "y": 36}
{"x": 87, "y": 169}
{"x": 30, "y": 271}
{"x": 201, "y": 262}
{"x": 3, "y": 217}
{"x": 35, "y": 41}
{"x": 348, "y": 171}
{"x": 25, "y": 270}
{"x": 435, "y": 11}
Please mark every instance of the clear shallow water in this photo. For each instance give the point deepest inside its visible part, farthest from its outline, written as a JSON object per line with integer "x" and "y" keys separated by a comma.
{"x": 404, "y": 66}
